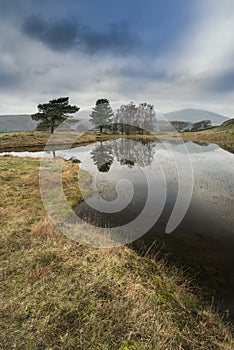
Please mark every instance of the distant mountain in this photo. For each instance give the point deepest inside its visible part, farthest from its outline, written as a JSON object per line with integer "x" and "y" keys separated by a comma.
{"x": 21, "y": 122}
{"x": 196, "y": 115}
{"x": 24, "y": 122}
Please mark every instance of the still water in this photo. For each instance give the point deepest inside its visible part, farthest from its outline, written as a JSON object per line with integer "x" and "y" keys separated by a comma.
{"x": 204, "y": 240}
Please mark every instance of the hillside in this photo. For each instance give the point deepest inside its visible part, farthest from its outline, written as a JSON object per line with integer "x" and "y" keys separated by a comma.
{"x": 222, "y": 135}
{"x": 21, "y": 122}
{"x": 196, "y": 115}
{"x": 229, "y": 124}
{"x": 24, "y": 122}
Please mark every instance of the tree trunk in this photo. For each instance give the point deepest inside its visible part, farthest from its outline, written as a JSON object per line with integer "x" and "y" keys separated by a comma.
{"x": 100, "y": 127}
{"x": 52, "y": 127}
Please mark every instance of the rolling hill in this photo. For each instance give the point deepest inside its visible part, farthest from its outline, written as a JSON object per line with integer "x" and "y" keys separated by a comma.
{"x": 223, "y": 135}
{"x": 229, "y": 124}
{"x": 196, "y": 115}
{"x": 24, "y": 122}
{"x": 21, "y": 122}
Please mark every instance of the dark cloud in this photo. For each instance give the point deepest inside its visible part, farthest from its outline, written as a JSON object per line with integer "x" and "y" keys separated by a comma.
{"x": 223, "y": 83}
{"x": 60, "y": 35}
{"x": 34, "y": 27}
{"x": 118, "y": 38}
{"x": 65, "y": 35}
{"x": 9, "y": 80}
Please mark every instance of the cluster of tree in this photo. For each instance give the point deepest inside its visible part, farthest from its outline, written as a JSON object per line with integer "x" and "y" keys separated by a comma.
{"x": 128, "y": 119}
{"x": 181, "y": 126}
{"x": 201, "y": 125}
{"x": 189, "y": 126}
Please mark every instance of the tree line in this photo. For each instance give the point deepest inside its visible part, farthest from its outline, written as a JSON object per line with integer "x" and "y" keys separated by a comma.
{"x": 128, "y": 119}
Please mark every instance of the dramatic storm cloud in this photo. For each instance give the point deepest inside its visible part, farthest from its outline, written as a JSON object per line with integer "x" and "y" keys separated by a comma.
{"x": 173, "y": 54}
{"x": 66, "y": 35}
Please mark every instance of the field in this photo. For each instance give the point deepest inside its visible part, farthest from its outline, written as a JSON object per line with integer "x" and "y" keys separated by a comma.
{"x": 56, "y": 294}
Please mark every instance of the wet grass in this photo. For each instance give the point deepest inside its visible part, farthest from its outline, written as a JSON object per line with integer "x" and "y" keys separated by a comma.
{"x": 56, "y": 294}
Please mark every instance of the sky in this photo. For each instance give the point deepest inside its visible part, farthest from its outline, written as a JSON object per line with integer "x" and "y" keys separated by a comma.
{"x": 173, "y": 54}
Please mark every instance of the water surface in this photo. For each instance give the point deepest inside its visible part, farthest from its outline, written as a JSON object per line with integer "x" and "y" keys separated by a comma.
{"x": 204, "y": 240}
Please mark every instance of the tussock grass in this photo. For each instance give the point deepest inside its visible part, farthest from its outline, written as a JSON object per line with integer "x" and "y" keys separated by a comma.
{"x": 56, "y": 294}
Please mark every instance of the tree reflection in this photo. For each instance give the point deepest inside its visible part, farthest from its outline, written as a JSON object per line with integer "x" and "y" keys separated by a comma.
{"x": 102, "y": 156}
{"x": 127, "y": 152}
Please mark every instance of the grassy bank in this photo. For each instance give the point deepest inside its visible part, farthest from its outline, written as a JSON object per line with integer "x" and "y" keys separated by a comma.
{"x": 222, "y": 135}
{"x": 37, "y": 140}
{"x": 56, "y": 294}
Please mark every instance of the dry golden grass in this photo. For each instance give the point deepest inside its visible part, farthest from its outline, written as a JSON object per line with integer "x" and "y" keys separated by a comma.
{"x": 37, "y": 139}
{"x": 56, "y": 294}
{"x": 42, "y": 228}
{"x": 209, "y": 135}
{"x": 223, "y": 134}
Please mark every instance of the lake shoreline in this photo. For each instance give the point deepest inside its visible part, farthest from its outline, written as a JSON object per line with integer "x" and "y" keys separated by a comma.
{"x": 37, "y": 140}
{"x": 51, "y": 284}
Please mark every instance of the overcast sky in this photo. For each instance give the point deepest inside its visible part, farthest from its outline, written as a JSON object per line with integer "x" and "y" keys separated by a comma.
{"x": 171, "y": 53}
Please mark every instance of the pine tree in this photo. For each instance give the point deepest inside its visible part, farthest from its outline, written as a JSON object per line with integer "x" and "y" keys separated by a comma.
{"x": 102, "y": 114}
{"x": 54, "y": 112}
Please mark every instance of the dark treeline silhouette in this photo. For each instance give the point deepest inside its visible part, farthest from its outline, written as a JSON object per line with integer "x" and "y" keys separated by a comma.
{"x": 126, "y": 151}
